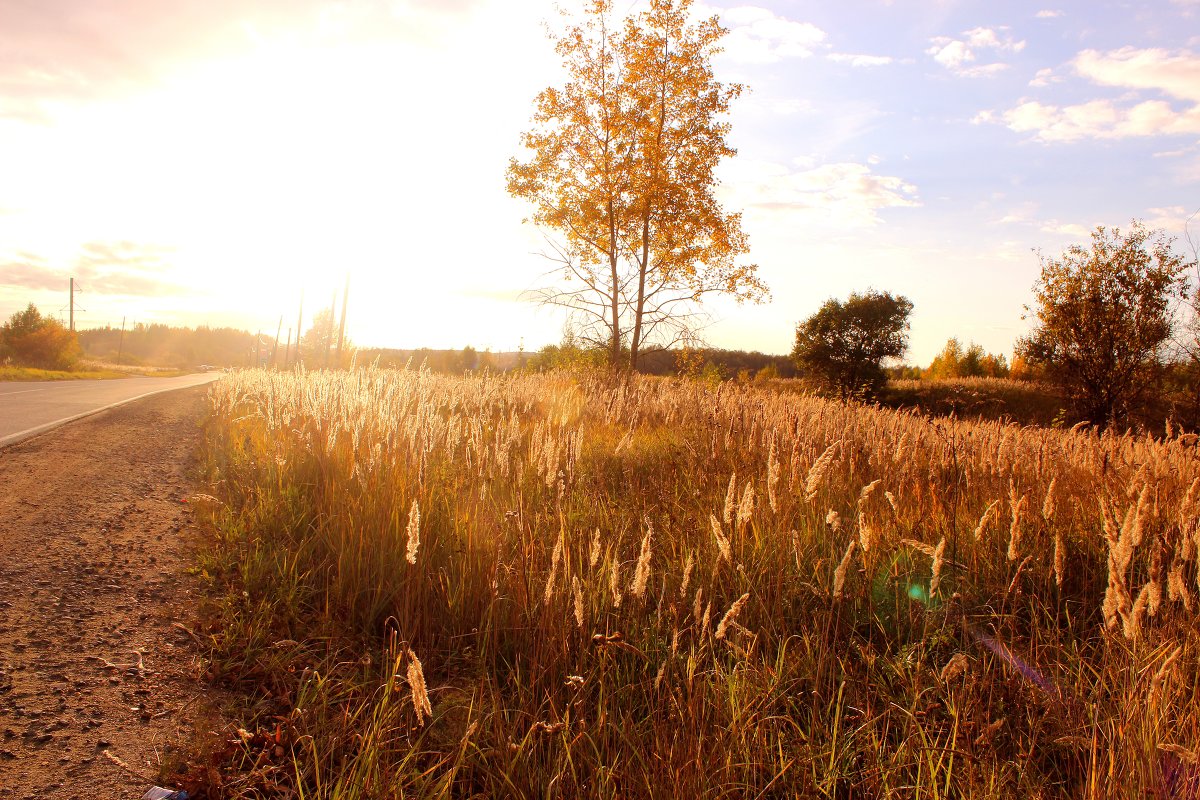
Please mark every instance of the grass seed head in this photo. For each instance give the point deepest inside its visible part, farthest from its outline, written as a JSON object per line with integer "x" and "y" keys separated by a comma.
{"x": 641, "y": 573}
{"x": 731, "y": 615}
{"x": 577, "y": 590}
{"x": 420, "y": 694}
{"x": 730, "y": 498}
{"x": 839, "y": 574}
{"x": 939, "y": 563}
{"x": 723, "y": 550}
{"x": 746, "y": 507}
{"x": 414, "y": 533}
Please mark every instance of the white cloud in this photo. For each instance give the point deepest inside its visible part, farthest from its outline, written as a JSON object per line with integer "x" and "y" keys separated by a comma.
{"x": 1023, "y": 214}
{"x": 1176, "y": 74}
{"x": 1072, "y": 229}
{"x": 1047, "y": 13}
{"x": 959, "y": 55}
{"x": 759, "y": 36}
{"x": 1026, "y": 215}
{"x": 1172, "y": 219}
{"x": 861, "y": 60}
{"x": 1178, "y": 152}
{"x": 983, "y": 70}
{"x": 1045, "y": 77}
{"x": 949, "y": 52}
{"x": 847, "y": 194}
{"x": 1098, "y": 119}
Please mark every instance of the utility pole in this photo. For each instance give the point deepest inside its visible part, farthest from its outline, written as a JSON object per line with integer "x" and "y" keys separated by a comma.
{"x": 275, "y": 347}
{"x": 287, "y": 349}
{"x": 257, "y": 349}
{"x": 329, "y": 336}
{"x": 299, "y": 319}
{"x": 121, "y": 342}
{"x": 342, "y": 326}
{"x": 72, "y": 305}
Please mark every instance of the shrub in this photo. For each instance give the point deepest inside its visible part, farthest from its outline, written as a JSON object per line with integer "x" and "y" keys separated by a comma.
{"x": 32, "y": 340}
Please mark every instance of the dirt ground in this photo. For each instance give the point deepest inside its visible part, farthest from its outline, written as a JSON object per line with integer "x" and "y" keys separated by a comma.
{"x": 95, "y": 538}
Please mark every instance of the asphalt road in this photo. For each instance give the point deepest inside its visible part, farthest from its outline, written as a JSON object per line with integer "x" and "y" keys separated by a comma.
{"x": 28, "y": 408}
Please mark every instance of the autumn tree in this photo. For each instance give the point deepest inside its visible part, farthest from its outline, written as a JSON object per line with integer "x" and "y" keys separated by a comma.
{"x": 973, "y": 361}
{"x": 33, "y": 340}
{"x": 1102, "y": 317}
{"x": 620, "y": 169}
{"x": 318, "y": 345}
{"x": 844, "y": 344}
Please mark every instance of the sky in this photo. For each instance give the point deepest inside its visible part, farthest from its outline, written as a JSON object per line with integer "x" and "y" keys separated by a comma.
{"x": 214, "y": 161}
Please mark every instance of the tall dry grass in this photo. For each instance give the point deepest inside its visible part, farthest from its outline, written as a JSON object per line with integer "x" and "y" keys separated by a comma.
{"x": 528, "y": 586}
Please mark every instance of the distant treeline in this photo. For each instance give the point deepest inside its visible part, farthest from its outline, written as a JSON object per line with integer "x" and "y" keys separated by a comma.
{"x": 163, "y": 345}
{"x": 733, "y": 364}
{"x": 722, "y": 363}
{"x": 450, "y": 362}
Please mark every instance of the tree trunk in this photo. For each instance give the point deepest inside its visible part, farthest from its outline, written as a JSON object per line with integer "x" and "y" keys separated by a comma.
{"x": 655, "y": 155}
{"x": 639, "y": 309}
{"x": 615, "y": 345}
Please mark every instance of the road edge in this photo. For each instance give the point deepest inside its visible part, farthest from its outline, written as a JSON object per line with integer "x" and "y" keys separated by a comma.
{"x": 29, "y": 433}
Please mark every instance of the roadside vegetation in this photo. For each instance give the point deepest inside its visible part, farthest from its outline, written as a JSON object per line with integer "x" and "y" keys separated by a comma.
{"x": 31, "y": 340}
{"x": 12, "y": 373}
{"x": 579, "y": 586}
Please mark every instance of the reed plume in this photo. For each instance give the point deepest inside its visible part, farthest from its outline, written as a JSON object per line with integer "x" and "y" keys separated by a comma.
{"x": 731, "y": 616}
{"x": 641, "y": 573}
{"x": 420, "y": 695}
{"x": 839, "y": 574}
{"x": 723, "y": 550}
{"x": 414, "y": 533}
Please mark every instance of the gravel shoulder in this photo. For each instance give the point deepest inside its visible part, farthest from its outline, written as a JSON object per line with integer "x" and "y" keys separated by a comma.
{"x": 95, "y": 539}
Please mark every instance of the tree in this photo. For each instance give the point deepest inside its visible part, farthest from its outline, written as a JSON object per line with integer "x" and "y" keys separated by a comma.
{"x": 318, "y": 345}
{"x": 1103, "y": 316}
{"x": 36, "y": 341}
{"x": 621, "y": 169}
{"x": 973, "y": 362}
{"x": 844, "y": 345}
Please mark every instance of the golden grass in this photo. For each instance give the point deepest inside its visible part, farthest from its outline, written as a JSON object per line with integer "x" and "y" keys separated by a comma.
{"x": 920, "y": 609}
{"x": 34, "y": 374}
{"x": 130, "y": 369}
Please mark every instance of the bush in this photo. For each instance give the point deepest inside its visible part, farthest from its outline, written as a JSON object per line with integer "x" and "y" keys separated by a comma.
{"x": 1103, "y": 316}
{"x": 845, "y": 344}
{"x": 32, "y": 340}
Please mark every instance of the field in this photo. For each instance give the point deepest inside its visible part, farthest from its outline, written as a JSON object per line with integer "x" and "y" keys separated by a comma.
{"x": 557, "y": 586}
{"x": 1025, "y": 402}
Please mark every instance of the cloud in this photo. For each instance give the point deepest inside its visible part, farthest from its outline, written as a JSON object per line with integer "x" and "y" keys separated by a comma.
{"x": 1174, "y": 74}
{"x": 861, "y": 60}
{"x": 1173, "y": 220}
{"x": 1045, "y": 77}
{"x": 844, "y": 193}
{"x": 1024, "y": 214}
{"x": 103, "y": 268}
{"x": 1047, "y": 13}
{"x": 759, "y": 36}
{"x": 29, "y": 272}
{"x": 1072, "y": 229}
{"x": 1098, "y": 119}
{"x": 959, "y": 55}
{"x": 65, "y": 51}
{"x": 1178, "y": 152}
{"x": 125, "y": 255}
